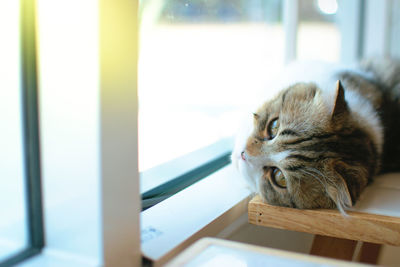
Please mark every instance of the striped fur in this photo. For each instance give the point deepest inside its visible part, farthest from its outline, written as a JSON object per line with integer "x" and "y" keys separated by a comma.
{"x": 329, "y": 144}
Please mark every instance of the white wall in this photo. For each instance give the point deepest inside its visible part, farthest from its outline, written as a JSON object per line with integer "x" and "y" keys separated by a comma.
{"x": 292, "y": 241}
{"x": 242, "y": 231}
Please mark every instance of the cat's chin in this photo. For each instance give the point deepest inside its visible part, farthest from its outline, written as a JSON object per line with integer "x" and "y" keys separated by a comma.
{"x": 251, "y": 175}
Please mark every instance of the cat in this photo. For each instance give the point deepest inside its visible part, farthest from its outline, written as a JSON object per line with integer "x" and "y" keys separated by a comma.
{"x": 322, "y": 139}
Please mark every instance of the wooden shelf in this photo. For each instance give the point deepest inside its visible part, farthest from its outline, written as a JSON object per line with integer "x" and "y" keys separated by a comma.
{"x": 357, "y": 225}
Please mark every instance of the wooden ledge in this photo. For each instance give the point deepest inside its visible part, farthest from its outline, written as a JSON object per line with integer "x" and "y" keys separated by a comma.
{"x": 357, "y": 226}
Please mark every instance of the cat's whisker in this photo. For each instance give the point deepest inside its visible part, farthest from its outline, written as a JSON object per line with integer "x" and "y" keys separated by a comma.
{"x": 326, "y": 178}
{"x": 306, "y": 172}
{"x": 340, "y": 203}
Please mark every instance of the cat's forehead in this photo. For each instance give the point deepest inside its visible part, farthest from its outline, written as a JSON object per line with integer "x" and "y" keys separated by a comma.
{"x": 299, "y": 92}
{"x": 300, "y": 106}
{"x": 295, "y": 96}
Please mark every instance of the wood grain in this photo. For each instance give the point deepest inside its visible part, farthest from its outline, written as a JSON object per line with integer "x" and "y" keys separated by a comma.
{"x": 332, "y": 247}
{"x": 357, "y": 226}
{"x": 369, "y": 253}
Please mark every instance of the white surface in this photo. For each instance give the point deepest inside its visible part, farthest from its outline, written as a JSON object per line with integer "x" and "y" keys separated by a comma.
{"x": 49, "y": 258}
{"x": 174, "y": 220}
{"x": 215, "y": 255}
{"x": 13, "y": 217}
{"x": 217, "y": 252}
{"x": 382, "y": 197}
{"x": 272, "y": 238}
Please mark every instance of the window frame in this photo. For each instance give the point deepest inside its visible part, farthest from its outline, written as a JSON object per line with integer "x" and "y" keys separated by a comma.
{"x": 117, "y": 236}
{"x": 31, "y": 150}
{"x": 170, "y": 178}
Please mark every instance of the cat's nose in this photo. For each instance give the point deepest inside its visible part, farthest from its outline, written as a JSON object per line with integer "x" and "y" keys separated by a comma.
{"x": 243, "y": 155}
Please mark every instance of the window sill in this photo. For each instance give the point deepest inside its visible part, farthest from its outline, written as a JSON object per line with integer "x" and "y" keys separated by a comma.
{"x": 203, "y": 209}
{"x": 59, "y": 258}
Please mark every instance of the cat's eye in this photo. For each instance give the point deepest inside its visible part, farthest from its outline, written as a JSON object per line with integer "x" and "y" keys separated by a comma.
{"x": 278, "y": 178}
{"x": 273, "y": 129}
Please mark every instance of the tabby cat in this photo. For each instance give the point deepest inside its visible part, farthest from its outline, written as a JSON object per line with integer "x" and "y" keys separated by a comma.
{"x": 320, "y": 142}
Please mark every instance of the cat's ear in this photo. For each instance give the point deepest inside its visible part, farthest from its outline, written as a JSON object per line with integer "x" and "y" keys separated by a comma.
{"x": 340, "y": 106}
{"x": 256, "y": 116}
{"x": 339, "y": 193}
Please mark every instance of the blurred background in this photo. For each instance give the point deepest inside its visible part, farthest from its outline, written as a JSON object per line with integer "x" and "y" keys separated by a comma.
{"x": 203, "y": 62}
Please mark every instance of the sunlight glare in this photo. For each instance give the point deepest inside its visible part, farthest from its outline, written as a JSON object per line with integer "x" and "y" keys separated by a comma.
{"x": 328, "y": 7}
{"x": 225, "y": 260}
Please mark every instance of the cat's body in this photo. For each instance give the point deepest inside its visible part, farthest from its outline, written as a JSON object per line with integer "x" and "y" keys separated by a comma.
{"x": 319, "y": 142}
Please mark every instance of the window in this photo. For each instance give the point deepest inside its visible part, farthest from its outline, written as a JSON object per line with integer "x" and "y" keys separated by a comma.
{"x": 200, "y": 63}
{"x": 209, "y": 59}
{"x": 316, "y": 19}
{"x": 21, "y": 233}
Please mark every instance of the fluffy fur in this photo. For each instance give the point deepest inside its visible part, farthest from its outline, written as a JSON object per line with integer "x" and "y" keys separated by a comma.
{"x": 335, "y": 131}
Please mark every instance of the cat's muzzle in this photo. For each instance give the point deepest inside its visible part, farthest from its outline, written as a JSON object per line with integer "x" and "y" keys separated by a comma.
{"x": 243, "y": 155}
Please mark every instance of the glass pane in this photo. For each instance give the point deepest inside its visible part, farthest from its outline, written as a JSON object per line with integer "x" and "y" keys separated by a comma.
{"x": 13, "y": 217}
{"x": 318, "y": 33}
{"x": 200, "y": 64}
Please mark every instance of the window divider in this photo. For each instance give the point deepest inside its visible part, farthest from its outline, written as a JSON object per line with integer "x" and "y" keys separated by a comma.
{"x": 165, "y": 190}
{"x": 351, "y": 24}
{"x": 31, "y": 150}
{"x": 377, "y": 28}
{"x": 290, "y": 26}
{"x": 31, "y": 124}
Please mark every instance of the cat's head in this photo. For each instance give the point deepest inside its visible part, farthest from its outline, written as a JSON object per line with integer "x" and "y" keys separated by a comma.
{"x": 305, "y": 152}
